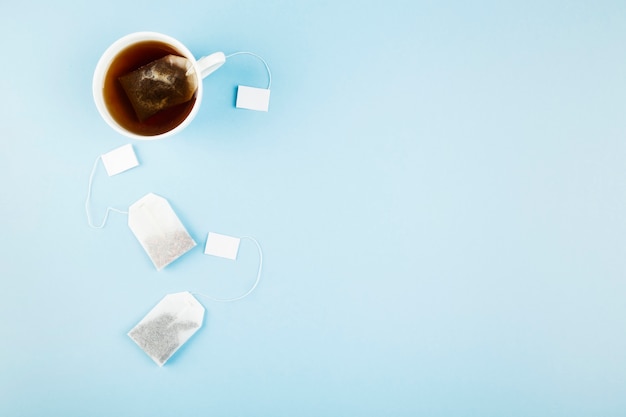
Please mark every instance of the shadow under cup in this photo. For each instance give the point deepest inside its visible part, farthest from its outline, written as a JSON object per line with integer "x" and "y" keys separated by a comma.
{"x": 125, "y": 56}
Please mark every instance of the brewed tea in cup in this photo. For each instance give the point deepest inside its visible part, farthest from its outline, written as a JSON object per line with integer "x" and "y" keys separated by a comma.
{"x": 148, "y": 85}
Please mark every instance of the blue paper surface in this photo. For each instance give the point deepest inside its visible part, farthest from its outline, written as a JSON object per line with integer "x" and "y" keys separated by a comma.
{"x": 438, "y": 188}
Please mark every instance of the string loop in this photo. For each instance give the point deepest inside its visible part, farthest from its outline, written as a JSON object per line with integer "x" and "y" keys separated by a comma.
{"x": 88, "y": 201}
{"x": 267, "y": 67}
{"x": 256, "y": 282}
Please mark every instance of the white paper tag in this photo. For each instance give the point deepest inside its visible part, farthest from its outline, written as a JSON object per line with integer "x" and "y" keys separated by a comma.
{"x": 253, "y": 98}
{"x": 119, "y": 160}
{"x": 168, "y": 326}
{"x": 159, "y": 230}
{"x": 222, "y": 245}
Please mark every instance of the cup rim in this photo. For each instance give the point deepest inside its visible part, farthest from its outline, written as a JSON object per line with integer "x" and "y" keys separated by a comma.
{"x": 102, "y": 68}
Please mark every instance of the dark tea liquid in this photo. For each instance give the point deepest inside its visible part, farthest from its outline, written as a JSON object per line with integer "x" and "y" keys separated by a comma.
{"x": 119, "y": 105}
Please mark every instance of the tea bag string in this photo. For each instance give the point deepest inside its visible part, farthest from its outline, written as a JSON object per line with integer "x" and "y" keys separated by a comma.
{"x": 256, "y": 282}
{"x": 88, "y": 201}
{"x": 267, "y": 67}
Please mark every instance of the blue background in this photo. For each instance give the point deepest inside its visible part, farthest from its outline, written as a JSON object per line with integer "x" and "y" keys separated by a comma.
{"x": 438, "y": 188}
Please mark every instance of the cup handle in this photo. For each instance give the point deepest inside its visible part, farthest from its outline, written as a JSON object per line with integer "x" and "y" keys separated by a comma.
{"x": 210, "y": 63}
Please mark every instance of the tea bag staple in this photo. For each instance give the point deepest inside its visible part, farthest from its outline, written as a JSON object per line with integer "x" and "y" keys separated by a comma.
{"x": 168, "y": 326}
{"x": 159, "y": 85}
{"x": 159, "y": 231}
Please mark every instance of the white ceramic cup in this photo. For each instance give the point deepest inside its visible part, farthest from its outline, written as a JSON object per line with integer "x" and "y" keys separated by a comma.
{"x": 203, "y": 67}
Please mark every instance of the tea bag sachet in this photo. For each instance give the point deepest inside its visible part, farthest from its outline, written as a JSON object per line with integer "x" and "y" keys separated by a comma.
{"x": 158, "y": 229}
{"x": 159, "y": 85}
{"x": 168, "y": 326}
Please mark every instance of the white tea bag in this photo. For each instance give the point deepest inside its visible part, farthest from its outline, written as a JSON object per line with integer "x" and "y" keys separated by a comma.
{"x": 168, "y": 326}
{"x": 158, "y": 229}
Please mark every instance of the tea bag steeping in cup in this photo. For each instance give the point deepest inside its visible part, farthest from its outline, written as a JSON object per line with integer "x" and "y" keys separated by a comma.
{"x": 159, "y": 85}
